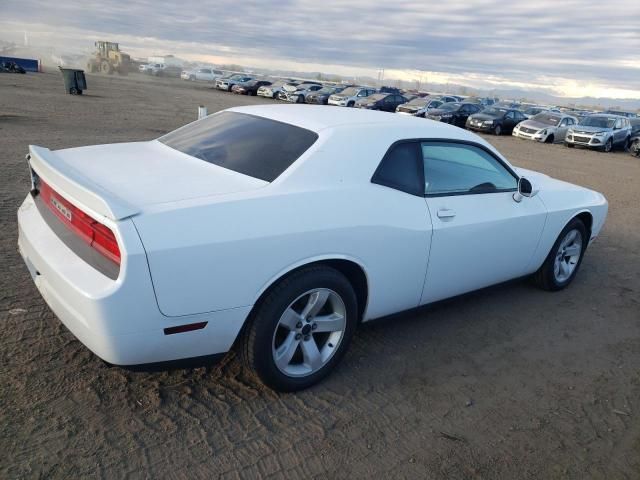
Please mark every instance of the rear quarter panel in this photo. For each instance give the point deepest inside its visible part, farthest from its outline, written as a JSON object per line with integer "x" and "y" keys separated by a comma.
{"x": 224, "y": 255}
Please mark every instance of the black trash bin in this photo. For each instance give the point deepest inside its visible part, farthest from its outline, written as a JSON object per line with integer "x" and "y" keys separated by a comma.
{"x": 74, "y": 80}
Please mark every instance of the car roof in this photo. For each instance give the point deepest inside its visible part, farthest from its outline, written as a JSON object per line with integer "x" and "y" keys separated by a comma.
{"x": 317, "y": 118}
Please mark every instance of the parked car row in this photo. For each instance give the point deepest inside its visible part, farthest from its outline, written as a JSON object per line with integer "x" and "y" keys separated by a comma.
{"x": 546, "y": 124}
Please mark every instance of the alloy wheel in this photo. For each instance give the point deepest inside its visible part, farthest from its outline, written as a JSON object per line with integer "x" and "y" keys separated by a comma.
{"x": 608, "y": 146}
{"x": 309, "y": 332}
{"x": 567, "y": 256}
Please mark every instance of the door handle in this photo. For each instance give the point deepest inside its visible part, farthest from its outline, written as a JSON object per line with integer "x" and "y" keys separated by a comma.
{"x": 446, "y": 213}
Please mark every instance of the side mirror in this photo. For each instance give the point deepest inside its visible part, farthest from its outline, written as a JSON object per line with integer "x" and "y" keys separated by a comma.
{"x": 525, "y": 189}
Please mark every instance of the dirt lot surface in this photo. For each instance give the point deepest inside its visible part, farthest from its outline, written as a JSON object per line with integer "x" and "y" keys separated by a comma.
{"x": 510, "y": 382}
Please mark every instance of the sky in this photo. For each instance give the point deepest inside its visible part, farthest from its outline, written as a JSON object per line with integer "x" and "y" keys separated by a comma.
{"x": 565, "y": 47}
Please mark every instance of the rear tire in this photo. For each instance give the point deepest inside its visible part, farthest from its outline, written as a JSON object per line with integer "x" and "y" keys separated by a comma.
{"x": 266, "y": 338}
{"x": 559, "y": 269}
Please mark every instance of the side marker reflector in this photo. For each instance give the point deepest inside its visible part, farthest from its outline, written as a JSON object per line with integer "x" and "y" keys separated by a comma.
{"x": 185, "y": 328}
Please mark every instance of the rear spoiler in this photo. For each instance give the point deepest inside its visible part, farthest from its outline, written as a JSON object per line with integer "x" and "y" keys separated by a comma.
{"x": 78, "y": 188}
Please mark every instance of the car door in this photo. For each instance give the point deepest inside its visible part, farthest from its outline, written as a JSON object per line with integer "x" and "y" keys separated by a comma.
{"x": 561, "y": 131}
{"x": 460, "y": 117}
{"x": 618, "y": 132}
{"x": 509, "y": 121}
{"x": 387, "y": 103}
{"x": 481, "y": 235}
{"x": 398, "y": 196}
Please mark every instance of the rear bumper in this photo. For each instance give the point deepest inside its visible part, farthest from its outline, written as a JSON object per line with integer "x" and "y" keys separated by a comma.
{"x": 118, "y": 320}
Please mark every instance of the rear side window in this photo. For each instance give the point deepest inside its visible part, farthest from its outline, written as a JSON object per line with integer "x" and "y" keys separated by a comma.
{"x": 254, "y": 146}
{"x": 401, "y": 169}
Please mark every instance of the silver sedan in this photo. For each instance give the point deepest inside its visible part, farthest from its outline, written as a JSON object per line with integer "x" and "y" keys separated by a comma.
{"x": 545, "y": 127}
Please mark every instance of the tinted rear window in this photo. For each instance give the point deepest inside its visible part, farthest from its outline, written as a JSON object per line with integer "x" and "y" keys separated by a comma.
{"x": 255, "y": 146}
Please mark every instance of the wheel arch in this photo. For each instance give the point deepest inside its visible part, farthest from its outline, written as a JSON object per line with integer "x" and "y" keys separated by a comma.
{"x": 351, "y": 268}
{"x": 586, "y": 217}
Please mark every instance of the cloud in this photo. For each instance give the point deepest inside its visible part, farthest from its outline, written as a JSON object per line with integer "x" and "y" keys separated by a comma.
{"x": 549, "y": 44}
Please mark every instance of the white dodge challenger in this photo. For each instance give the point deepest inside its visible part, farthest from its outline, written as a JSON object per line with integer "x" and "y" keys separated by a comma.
{"x": 279, "y": 228}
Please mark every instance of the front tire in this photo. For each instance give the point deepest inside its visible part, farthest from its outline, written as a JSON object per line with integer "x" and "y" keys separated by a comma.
{"x": 497, "y": 130}
{"x": 561, "y": 265}
{"x": 549, "y": 139}
{"x": 301, "y": 329}
{"x": 608, "y": 146}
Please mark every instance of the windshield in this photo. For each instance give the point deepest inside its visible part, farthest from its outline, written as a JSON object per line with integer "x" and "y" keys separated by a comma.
{"x": 534, "y": 110}
{"x": 547, "y": 119}
{"x": 600, "y": 122}
{"x": 449, "y": 107}
{"x": 376, "y": 96}
{"x": 496, "y": 112}
{"x": 254, "y": 146}
{"x": 326, "y": 90}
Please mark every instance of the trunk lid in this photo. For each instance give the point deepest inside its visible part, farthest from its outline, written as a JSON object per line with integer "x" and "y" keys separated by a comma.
{"x": 120, "y": 180}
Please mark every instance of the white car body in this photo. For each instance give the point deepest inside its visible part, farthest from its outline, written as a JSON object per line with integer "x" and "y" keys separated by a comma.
{"x": 342, "y": 99}
{"x": 541, "y": 132}
{"x": 300, "y": 93}
{"x": 201, "y": 243}
{"x": 226, "y": 83}
{"x": 155, "y": 68}
{"x": 269, "y": 91}
{"x": 416, "y": 111}
{"x": 201, "y": 74}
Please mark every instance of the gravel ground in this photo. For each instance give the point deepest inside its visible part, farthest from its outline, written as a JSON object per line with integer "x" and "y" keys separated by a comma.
{"x": 509, "y": 382}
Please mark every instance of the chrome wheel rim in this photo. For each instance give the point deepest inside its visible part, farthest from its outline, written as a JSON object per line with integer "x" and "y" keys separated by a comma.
{"x": 567, "y": 256}
{"x": 309, "y": 332}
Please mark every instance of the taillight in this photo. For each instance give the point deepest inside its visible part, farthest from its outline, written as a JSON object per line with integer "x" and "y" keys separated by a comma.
{"x": 92, "y": 232}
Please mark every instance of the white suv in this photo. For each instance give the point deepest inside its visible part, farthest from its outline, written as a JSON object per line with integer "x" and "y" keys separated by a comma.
{"x": 349, "y": 96}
